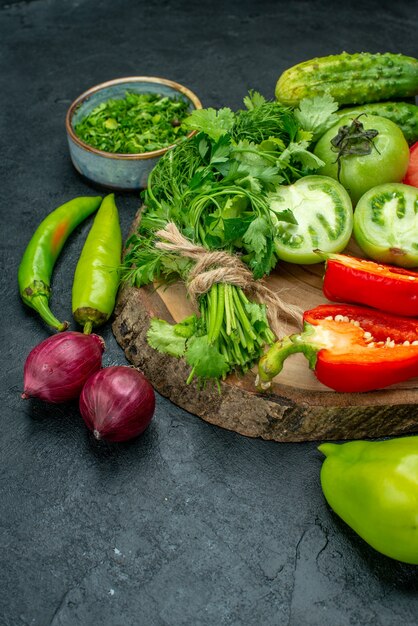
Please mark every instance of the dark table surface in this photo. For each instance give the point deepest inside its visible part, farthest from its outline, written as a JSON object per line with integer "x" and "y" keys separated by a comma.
{"x": 189, "y": 524}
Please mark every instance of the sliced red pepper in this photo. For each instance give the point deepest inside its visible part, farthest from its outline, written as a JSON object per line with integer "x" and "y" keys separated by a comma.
{"x": 384, "y": 287}
{"x": 350, "y": 348}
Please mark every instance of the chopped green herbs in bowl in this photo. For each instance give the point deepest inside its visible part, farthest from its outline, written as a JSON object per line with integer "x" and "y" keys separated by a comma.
{"x": 118, "y": 130}
{"x": 139, "y": 122}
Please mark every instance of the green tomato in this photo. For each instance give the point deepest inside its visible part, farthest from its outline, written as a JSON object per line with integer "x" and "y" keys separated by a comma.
{"x": 324, "y": 215}
{"x": 387, "y": 160}
{"x": 386, "y": 224}
{"x": 373, "y": 487}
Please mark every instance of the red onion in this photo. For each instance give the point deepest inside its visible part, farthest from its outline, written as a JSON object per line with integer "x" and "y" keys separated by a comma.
{"x": 57, "y": 368}
{"x": 117, "y": 403}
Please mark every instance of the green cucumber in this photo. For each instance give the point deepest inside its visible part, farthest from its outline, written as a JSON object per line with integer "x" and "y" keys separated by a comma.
{"x": 350, "y": 78}
{"x": 404, "y": 114}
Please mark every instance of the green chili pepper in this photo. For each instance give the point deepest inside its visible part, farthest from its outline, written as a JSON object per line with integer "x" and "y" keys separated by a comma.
{"x": 96, "y": 277}
{"x": 39, "y": 258}
{"x": 373, "y": 487}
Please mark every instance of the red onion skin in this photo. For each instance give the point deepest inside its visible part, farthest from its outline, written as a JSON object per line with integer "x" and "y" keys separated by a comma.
{"x": 117, "y": 403}
{"x": 57, "y": 368}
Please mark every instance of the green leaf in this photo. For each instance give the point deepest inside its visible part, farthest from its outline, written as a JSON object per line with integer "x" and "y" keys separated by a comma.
{"x": 111, "y": 123}
{"x": 210, "y": 121}
{"x": 187, "y": 327}
{"x": 205, "y": 358}
{"x": 263, "y": 119}
{"x": 254, "y": 100}
{"x": 221, "y": 150}
{"x": 304, "y": 136}
{"x": 203, "y": 147}
{"x": 285, "y": 216}
{"x": 290, "y": 126}
{"x": 234, "y": 206}
{"x": 173, "y": 265}
{"x": 248, "y": 153}
{"x": 162, "y": 337}
{"x": 317, "y": 114}
{"x": 262, "y": 264}
{"x": 255, "y": 237}
{"x": 268, "y": 176}
{"x": 257, "y": 167}
{"x": 274, "y": 144}
{"x": 196, "y": 180}
{"x": 247, "y": 181}
{"x": 299, "y": 152}
{"x": 214, "y": 241}
{"x": 224, "y": 168}
{"x": 140, "y": 268}
{"x": 234, "y": 228}
{"x": 258, "y": 316}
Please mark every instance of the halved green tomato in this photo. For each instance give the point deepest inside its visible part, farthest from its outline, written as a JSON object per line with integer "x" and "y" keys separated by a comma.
{"x": 386, "y": 224}
{"x": 324, "y": 215}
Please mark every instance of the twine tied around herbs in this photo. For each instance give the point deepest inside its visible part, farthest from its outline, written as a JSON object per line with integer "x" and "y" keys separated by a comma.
{"x": 218, "y": 266}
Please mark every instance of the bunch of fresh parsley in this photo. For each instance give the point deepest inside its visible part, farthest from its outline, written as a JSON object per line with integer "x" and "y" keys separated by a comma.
{"x": 217, "y": 187}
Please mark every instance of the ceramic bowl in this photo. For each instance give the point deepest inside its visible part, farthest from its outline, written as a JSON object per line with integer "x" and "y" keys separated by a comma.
{"x": 118, "y": 171}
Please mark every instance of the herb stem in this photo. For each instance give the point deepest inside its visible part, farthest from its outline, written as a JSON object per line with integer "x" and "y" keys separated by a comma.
{"x": 242, "y": 315}
{"x": 203, "y": 311}
{"x": 219, "y": 312}
{"x": 228, "y": 317}
{"x": 212, "y": 308}
{"x": 231, "y": 308}
{"x": 268, "y": 157}
{"x": 224, "y": 351}
{"x": 190, "y": 377}
{"x": 241, "y": 334}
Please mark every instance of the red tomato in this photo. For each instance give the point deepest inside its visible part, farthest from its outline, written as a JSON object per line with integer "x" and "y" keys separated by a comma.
{"x": 411, "y": 176}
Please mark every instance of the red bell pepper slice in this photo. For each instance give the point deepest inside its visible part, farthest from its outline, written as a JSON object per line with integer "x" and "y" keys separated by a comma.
{"x": 350, "y": 348}
{"x": 385, "y": 287}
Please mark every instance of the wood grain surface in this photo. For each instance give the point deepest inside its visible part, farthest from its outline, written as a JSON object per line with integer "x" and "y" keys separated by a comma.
{"x": 297, "y": 408}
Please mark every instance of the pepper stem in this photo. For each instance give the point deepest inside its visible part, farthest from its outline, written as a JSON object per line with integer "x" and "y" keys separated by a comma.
{"x": 88, "y": 327}
{"x": 271, "y": 363}
{"x": 40, "y": 304}
{"x": 328, "y": 449}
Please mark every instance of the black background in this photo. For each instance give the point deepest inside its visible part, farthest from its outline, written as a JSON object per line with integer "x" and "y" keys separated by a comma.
{"x": 189, "y": 524}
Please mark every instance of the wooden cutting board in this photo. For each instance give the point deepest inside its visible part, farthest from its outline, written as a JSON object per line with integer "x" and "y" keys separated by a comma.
{"x": 297, "y": 408}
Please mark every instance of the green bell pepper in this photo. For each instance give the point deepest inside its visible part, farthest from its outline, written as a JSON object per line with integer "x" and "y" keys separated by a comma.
{"x": 373, "y": 487}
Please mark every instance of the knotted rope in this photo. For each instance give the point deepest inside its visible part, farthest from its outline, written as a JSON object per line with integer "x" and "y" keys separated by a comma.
{"x": 217, "y": 266}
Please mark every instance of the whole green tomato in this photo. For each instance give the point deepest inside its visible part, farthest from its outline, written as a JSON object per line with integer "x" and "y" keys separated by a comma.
{"x": 373, "y": 487}
{"x": 363, "y": 152}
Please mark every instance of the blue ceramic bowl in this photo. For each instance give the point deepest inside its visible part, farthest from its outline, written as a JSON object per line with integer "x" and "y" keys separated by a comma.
{"x": 118, "y": 171}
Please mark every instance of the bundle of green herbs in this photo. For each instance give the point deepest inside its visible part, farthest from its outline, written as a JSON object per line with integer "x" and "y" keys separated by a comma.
{"x": 216, "y": 188}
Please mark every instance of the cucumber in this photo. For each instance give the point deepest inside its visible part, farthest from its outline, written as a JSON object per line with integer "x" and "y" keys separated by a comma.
{"x": 350, "y": 78}
{"x": 404, "y": 114}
